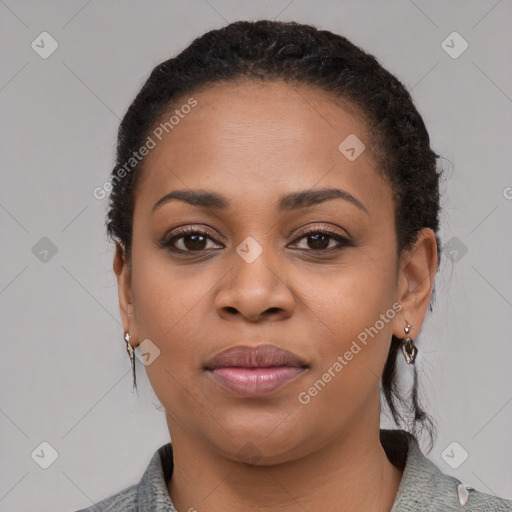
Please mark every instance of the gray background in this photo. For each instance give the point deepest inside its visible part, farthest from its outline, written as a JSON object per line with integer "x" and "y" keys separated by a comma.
{"x": 64, "y": 372}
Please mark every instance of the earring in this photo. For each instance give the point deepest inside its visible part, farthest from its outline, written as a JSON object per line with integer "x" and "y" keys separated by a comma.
{"x": 131, "y": 353}
{"x": 408, "y": 347}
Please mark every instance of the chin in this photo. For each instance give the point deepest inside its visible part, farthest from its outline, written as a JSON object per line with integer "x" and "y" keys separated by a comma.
{"x": 262, "y": 441}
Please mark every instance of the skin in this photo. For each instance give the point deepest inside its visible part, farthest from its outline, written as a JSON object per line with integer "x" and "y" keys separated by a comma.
{"x": 254, "y": 143}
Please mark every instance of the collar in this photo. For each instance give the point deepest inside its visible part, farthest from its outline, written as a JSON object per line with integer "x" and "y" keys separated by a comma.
{"x": 422, "y": 484}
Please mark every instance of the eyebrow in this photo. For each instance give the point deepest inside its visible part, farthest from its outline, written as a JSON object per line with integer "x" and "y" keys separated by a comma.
{"x": 293, "y": 201}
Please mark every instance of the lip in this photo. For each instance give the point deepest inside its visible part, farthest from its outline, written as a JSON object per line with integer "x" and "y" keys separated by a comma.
{"x": 255, "y": 371}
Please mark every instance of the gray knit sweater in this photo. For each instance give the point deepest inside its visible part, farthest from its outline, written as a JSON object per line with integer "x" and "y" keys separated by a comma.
{"x": 423, "y": 488}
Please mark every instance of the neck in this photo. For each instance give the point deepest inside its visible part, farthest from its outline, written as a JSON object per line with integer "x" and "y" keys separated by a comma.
{"x": 350, "y": 473}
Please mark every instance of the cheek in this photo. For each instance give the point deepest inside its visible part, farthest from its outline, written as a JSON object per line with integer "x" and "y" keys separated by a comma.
{"x": 349, "y": 298}
{"x": 168, "y": 312}
{"x": 356, "y": 321}
{"x": 353, "y": 310}
{"x": 168, "y": 301}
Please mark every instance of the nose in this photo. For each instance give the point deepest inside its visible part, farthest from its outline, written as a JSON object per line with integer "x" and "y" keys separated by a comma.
{"x": 254, "y": 291}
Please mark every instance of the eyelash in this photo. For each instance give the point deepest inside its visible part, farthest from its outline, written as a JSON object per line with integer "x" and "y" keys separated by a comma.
{"x": 179, "y": 233}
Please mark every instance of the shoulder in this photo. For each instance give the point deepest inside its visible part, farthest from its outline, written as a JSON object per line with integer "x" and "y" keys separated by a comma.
{"x": 453, "y": 495}
{"x": 124, "y": 501}
{"x": 482, "y": 502}
{"x": 150, "y": 493}
{"x": 425, "y": 487}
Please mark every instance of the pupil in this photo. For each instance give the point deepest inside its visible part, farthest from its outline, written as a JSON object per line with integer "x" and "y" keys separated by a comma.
{"x": 316, "y": 237}
{"x": 197, "y": 241}
{"x": 317, "y": 241}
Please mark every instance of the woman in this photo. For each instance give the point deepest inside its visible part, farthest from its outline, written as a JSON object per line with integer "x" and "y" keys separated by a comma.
{"x": 275, "y": 206}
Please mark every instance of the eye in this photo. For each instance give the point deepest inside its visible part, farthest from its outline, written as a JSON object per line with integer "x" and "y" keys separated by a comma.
{"x": 319, "y": 239}
{"x": 189, "y": 238}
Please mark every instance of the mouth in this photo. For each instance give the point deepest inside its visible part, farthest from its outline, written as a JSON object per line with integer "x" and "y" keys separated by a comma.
{"x": 255, "y": 371}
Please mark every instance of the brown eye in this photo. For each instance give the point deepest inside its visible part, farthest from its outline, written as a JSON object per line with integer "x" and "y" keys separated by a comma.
{"x": 194, "y": 242}
{"x": 320, "y": 240}
{"x": 187, "y": 240}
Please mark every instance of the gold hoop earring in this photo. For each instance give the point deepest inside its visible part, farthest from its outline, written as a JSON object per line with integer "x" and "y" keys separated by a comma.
{"x": 408, "y": 347}
{"x": 131, "y": 353}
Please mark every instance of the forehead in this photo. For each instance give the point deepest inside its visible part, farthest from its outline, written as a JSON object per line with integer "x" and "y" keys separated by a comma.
{"x": 262, "y": 139}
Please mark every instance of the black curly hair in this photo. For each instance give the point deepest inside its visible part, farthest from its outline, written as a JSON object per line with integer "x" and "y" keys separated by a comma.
{"x": 297, "y": 54}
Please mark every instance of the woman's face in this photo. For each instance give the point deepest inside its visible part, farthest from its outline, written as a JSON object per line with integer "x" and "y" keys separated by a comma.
{"x": 249, "y": 274}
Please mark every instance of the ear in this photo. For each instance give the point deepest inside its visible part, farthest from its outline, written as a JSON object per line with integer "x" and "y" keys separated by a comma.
{"x": 417, "y": 271}
{"x": 123, "y": 273}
